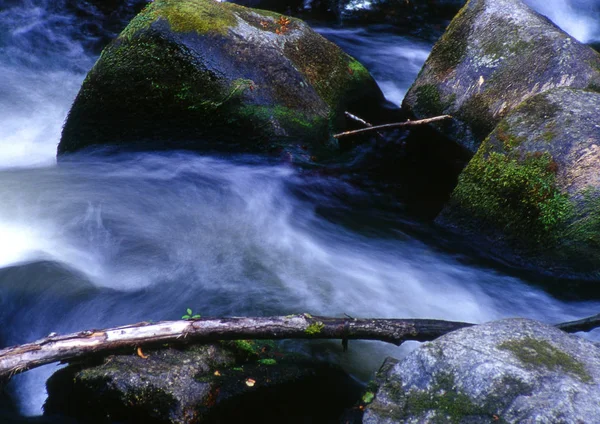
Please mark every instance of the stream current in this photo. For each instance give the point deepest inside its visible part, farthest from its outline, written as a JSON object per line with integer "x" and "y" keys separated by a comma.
{"x": 98, "y": 242}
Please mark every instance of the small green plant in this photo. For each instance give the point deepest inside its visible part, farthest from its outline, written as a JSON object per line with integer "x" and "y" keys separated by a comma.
{"x": 314, "y": 328}
{"x": 368, "y": 397}
{"x": 190, "y": 315}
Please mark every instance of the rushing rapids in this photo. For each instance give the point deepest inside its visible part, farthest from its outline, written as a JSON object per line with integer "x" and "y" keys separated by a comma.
{"x": 99, "y": 242}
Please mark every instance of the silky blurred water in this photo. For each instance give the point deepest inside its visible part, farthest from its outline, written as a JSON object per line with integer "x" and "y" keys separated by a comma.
{"x": 97, "y": 242}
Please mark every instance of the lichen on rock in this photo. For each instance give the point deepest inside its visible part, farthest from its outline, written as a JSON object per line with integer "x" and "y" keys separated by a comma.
{"x": 508, "y": 371}
{"x": 492, "y": 57}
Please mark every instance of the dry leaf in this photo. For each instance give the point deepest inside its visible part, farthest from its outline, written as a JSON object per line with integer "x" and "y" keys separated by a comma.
{"x": 141, "y": 354}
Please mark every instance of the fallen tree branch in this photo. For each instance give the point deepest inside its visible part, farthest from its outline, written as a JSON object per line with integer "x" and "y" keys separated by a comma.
{"x": 394, "y": 125}
{"x": 585, "y": 324}
{"x": 56, "y": 348}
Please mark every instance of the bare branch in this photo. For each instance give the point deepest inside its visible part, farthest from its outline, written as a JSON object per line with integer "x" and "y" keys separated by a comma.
{"x": 585, "y": 324}
{"x": 55, "y": 348}
{"x": 394, "y": 125}
{"x": 358, "y": 119}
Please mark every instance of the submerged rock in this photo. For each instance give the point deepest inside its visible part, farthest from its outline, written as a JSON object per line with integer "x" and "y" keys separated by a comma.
{"x": 532, "y": 191}
{"x": 493, "y": 56}
{"x": 509, "y": 371}
{"x": 231, "y": 382}
{"x": 201, "y": 74}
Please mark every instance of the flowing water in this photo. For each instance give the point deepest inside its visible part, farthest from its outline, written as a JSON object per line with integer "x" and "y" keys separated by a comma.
{"x": 97, "y": 242}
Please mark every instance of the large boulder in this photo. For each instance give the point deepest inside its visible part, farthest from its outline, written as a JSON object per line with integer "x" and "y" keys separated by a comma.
{"x": 493, "y": 56}
{"x": 532, "y": 191}
{"x": 225, "y": 382}
{"x": 509, "y": 371}
{"x": 202, "y": 74}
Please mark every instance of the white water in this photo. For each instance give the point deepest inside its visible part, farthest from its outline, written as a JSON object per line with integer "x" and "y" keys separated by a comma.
{"x": 94, "y": 243}
{"x": 579, "y": 18}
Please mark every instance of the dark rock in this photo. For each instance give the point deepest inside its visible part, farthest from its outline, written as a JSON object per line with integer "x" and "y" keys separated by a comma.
{"x": 424, "y": 18}
{"x": 532, "y": 189}
{"x": 233, "y": 382}
{"x": 493, "y": 56}
{"x": 509, "y": 371}
{"x": 200, "y": 74}
{"x": 99, "y": 21}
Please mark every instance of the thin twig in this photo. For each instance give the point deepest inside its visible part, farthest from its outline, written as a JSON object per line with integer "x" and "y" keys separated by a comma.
{"x": 358, "y": 119}
{"x": 362, "y": 121}
{"x": 394, "y": 125}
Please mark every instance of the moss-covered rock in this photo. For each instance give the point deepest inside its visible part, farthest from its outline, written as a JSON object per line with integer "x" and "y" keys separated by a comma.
{"x": 532, "y": 190}
{"x": 202, "y": 74}
{"x": 509, "y": 371}
{"x": 493, "y": 56}
{"x": 225, "y": 382}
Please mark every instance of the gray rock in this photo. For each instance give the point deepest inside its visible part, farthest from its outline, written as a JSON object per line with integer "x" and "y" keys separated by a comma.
{"x": 205, "y": 75}
{"x": 493, "y": 56}
{"x": 532, "y": 191}
{"x": 511, "y": 371}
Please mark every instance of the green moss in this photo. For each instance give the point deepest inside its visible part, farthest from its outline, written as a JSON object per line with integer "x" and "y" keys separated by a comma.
{"x": 509, "y": 141}
{"x": 267, "y": 361}
{"x": 539, "y": 109}
{"x": 357, "y": 70}
{"x": 247, "y": 348}
{"x": 250, "y": 350}
{"x": 540, "y": 353}
{"x": 428, "y": 99}
{"x": 368, "y": 397}
{"x": 314, "y": 328}
{"x": 584, "y": 230}
{"x": 476, "y": 111}
{"x": 450, "y": 405}
{"x": 201, "y": 16}
{"x": 548, "y": 136}
{"x": 336, "y": 76}
{"x": 451, "y": 49}
{"x": 507, "y": 40}
{"x": 516, "y": 194}
{"x": 295, "y": 121}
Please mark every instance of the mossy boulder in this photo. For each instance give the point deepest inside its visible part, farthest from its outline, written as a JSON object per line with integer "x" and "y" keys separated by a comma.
{"x": 494, "y": 55}
{"x": 509, "y": 371}
{"x": 224, "y": 382}
{"x": 201, "y": 74}
{"x": 532, "y": 193}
